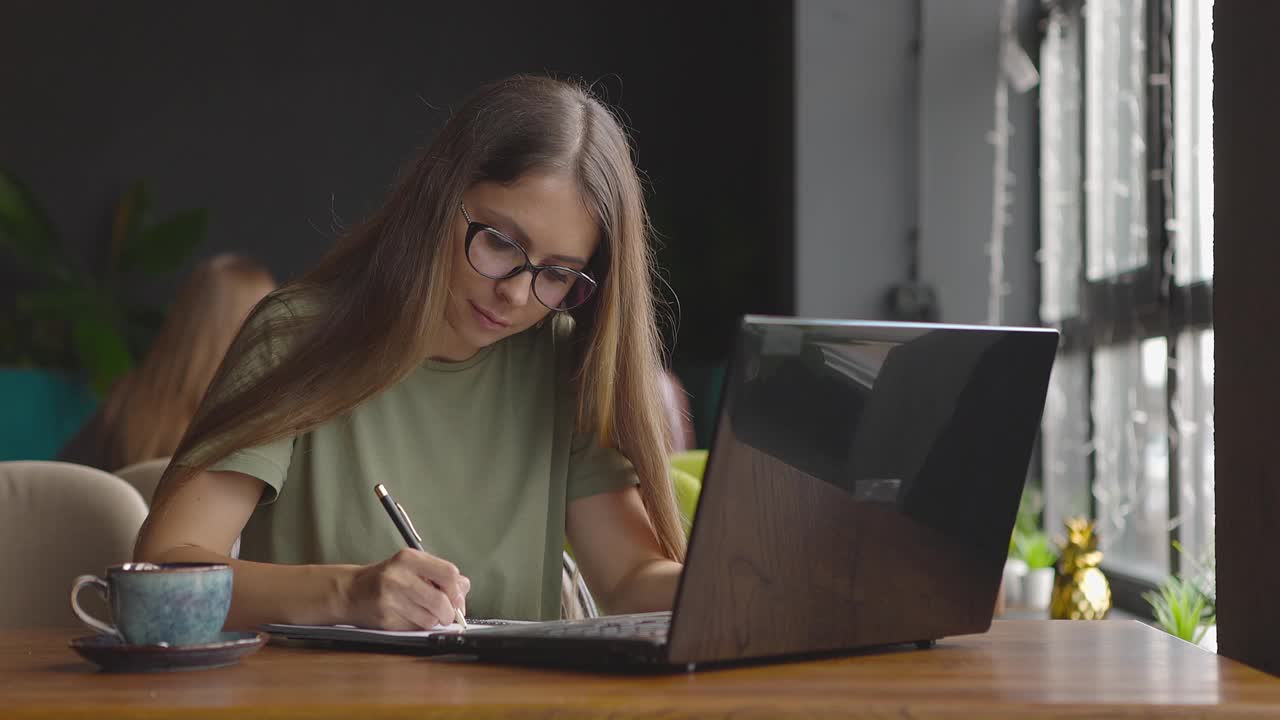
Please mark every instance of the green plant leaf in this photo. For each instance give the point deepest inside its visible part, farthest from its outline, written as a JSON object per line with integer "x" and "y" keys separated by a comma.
{"x": 70, "y": 316}
{"x": 11, "y": 350}
{"x": 1035, "y": 549}
{"x": 102, "y": 351}
{"x": 65, "y": 303}
{"x": 25, "y": 230}
{"x": 142, "y": 324}
{"x": 162, "y": 248}
{"x": 1029, "y": 506}
{"x": 131, "y": 213}
{"x": 1198, "y": 633}
{"x": 1179, "y": 608}
{"x": 1201, "y": 572}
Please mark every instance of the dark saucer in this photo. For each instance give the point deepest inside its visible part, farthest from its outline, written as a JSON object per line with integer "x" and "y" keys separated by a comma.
{"x": 114, "y": 655}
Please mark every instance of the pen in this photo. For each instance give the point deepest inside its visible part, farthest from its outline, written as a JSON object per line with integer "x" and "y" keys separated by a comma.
{"x": 409, "y": 533}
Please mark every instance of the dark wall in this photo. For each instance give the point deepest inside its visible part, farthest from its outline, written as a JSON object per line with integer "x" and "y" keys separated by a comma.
{"x": 278, "y": 116}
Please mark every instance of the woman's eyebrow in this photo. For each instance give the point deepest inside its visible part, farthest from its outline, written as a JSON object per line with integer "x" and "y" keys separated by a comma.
{"x": 511, "y": 227}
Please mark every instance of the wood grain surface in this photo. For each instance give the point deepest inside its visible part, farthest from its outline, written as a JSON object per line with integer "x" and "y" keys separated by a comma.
{"x": 1025, "y": 669}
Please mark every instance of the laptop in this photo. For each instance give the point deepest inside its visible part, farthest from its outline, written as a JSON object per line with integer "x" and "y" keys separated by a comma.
{"x": 860, "y": 491}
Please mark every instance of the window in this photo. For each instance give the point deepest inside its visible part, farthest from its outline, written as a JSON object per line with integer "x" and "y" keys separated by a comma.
{"x": 1193, "y": 141}
{"x": 1126, "y": 275}
{"x": 1115, "y": 147}
{"x": 1131, "y": 456}
{"x": 1061, "y": 184}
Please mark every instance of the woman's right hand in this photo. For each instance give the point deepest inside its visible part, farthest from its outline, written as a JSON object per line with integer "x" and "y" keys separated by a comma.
{"x": 411, "y": 590}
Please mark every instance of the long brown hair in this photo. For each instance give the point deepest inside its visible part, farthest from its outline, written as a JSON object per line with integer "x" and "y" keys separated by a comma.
{"x": 384, "y": 285}
{"x": 147, "y": 410}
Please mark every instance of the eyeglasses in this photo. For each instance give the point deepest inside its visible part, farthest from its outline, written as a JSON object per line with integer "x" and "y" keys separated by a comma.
{"x": 498, "y": 257}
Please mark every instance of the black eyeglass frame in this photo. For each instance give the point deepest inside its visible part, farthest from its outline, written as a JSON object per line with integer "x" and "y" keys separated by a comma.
{"x": 474, "y": 228}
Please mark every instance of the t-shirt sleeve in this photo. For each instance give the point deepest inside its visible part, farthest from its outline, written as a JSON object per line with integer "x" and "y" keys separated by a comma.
{"x": 270, "y": 462}
{"x": 594, "y": 469}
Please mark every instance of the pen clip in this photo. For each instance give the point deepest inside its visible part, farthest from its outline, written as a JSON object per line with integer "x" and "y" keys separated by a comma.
{"x": 407, "y": 519}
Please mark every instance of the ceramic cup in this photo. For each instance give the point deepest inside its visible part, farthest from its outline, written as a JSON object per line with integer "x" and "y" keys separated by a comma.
{"x": 167, "y": 604}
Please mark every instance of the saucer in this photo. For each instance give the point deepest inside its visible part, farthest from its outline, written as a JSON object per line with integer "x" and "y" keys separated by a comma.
{"x": 114, "y": 655}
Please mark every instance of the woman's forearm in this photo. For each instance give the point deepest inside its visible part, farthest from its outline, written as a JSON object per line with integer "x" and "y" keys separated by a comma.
{"x": 266, "y": 593}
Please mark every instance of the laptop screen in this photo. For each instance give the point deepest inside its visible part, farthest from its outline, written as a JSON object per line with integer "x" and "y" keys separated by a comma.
{"x": 876, "y": 410}
{"x": 873, "y": 471}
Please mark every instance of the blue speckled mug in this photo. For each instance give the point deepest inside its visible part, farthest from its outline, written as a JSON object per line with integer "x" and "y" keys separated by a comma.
{"x": 165, "y": 604}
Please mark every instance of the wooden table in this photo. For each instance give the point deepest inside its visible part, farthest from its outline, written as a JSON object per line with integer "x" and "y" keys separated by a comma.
{"x": 1022, "y": 668}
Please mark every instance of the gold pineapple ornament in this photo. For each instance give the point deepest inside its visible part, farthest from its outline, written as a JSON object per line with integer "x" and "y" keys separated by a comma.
{"x": 1080, "y": 590}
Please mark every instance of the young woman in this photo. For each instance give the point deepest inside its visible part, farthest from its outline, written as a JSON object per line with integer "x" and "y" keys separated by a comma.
{"x": 146, "y": 412}
{"x": 485, "y": 345}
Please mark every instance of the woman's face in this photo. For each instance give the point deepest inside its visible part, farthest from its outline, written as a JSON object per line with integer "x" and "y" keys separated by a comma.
{"x": 546, "y": 215}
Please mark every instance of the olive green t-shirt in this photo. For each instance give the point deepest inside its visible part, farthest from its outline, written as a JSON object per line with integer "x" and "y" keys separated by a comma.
{"x": 481, "y": 454}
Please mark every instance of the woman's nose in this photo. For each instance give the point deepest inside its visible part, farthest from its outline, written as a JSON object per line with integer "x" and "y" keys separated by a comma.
{"x": 516, "y": 289}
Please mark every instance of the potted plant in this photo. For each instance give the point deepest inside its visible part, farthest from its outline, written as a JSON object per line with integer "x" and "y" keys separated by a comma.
{"x": 1038, "y": 552}
{"x": 1182, "y": 609}
{"x": 1185, "y": 605}
{"x": 70, "y": 325}
{"x": 1026, "y": 523}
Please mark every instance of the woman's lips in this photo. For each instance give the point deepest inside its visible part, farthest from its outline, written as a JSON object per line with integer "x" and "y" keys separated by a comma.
{"x": 488, "y": 319}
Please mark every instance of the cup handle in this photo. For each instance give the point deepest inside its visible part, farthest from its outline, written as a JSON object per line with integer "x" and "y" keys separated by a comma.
{"x": 85, "y": 617}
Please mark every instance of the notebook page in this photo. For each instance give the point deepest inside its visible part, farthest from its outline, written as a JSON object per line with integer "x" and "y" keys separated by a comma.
{"x": 351, "y": 632}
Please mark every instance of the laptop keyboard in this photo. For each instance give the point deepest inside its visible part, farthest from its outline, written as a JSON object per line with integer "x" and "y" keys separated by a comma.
{"x": 640, "y": 626}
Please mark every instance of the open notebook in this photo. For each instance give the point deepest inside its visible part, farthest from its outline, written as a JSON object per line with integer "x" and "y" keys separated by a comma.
{"x": 352, "y": 635}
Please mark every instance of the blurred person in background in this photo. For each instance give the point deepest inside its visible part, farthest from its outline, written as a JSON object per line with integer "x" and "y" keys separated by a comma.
{"x": 147, "y": 411}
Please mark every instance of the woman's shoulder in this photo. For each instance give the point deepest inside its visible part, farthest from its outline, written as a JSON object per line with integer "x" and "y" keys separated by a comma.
{"x": 280, "y": 319}
{"x": 270, "y": 333}
{"x": 289, "y": 304}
